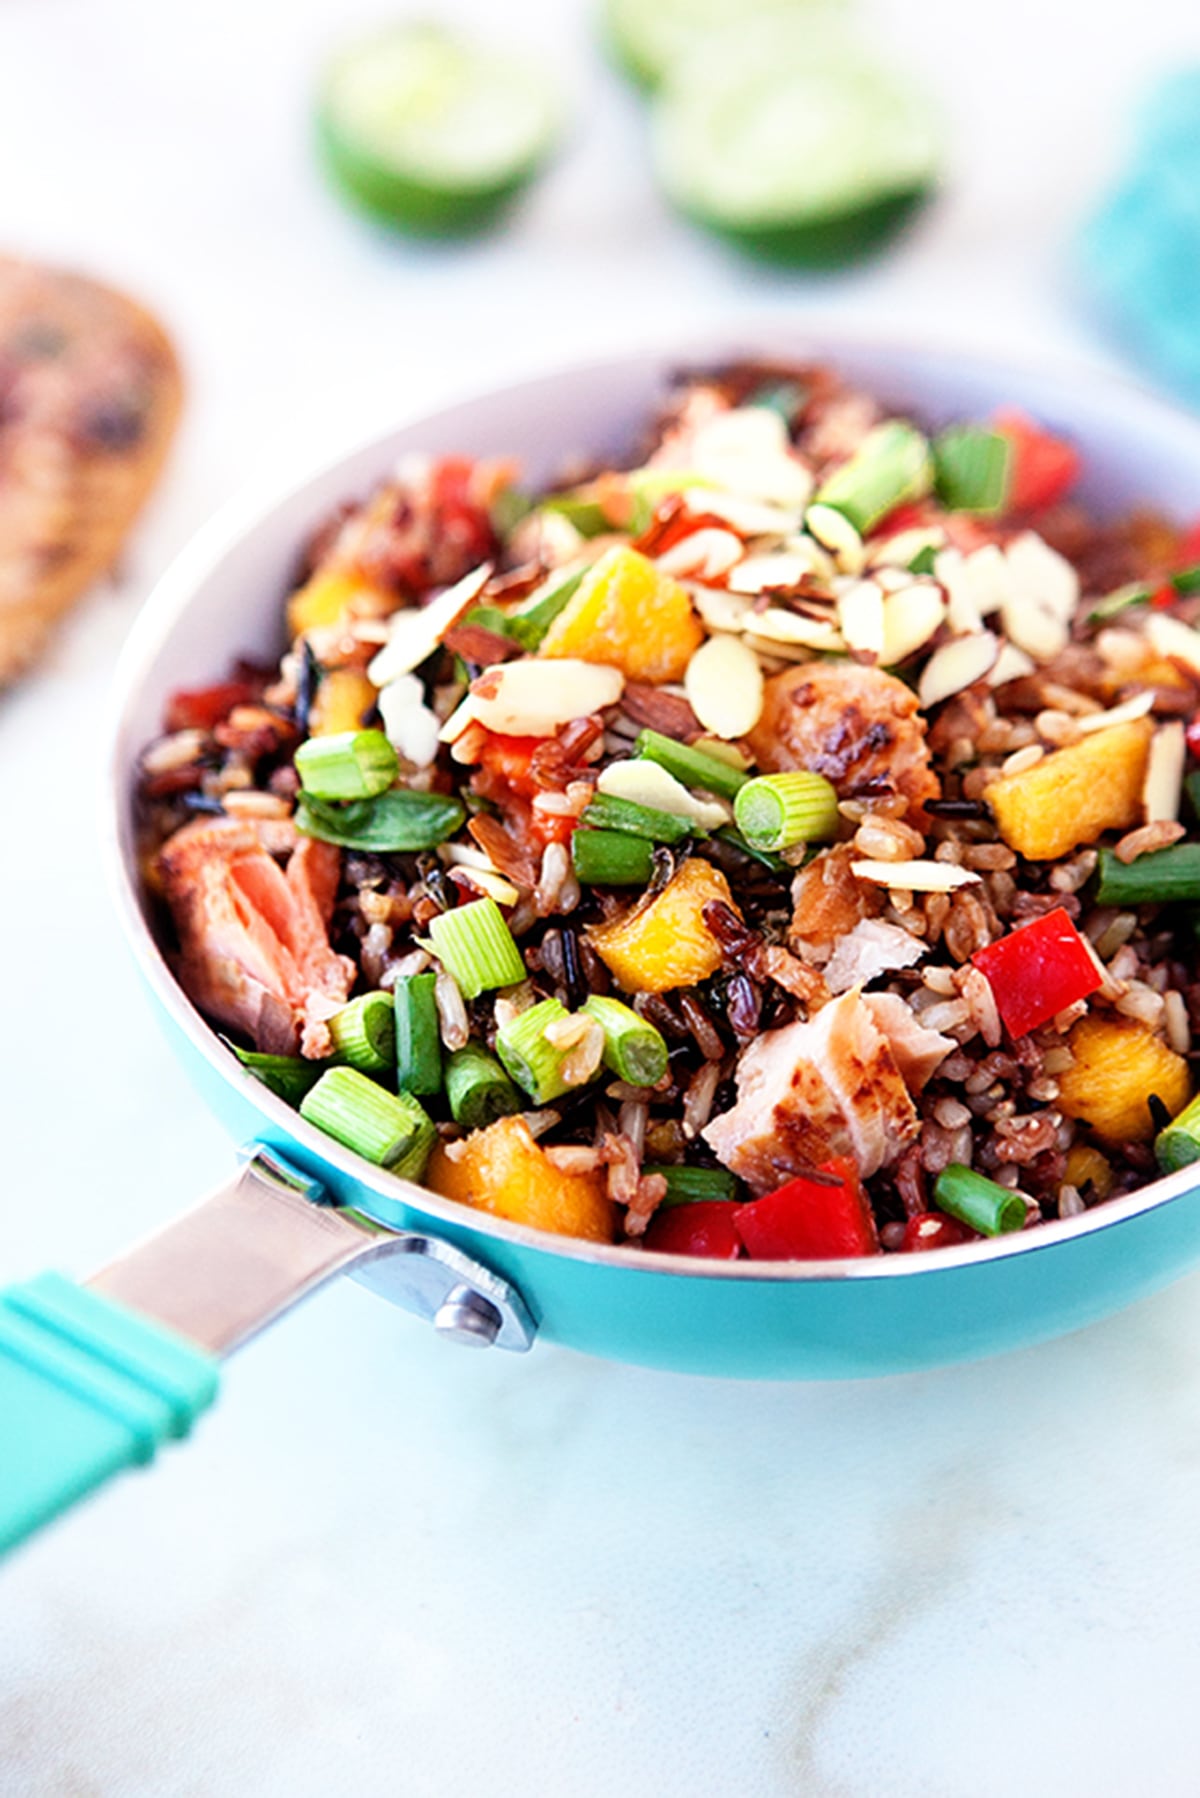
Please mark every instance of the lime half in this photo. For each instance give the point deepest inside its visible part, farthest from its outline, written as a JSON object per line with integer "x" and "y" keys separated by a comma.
{"x": 794, "y": 143}
{"x": 432, "y": 133}
{"x": 648, "y": 37}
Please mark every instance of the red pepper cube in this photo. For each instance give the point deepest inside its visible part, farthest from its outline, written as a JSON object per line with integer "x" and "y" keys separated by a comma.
{"x": 1043, "y": 467}
{"x": 203, "y": 708}
{"x": 1039, "y": 970}
{"x": 810, "y": 1219}
{"x": 934, "y": 1230}
{"x": 705, "y": 1227}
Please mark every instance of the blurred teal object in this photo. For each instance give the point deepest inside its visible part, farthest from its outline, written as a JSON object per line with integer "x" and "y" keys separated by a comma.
{"x": 1141, "y": 250}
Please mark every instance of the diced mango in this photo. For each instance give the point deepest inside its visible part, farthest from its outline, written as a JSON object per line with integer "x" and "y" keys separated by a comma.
{"x": 502, "y": 1170}
{"x": 1074, "y": 794}
{"x": 1086, "y": 1166}
{"x": 1118, "y": 1064}
{"x": 344, "y": 697}
{"x": 664, "y": 942}
{"x": 629, "y": 614}
{"x": 321, "y": 601}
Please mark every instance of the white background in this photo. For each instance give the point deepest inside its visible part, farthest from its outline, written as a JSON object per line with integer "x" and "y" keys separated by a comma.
{"x": 383, "y": 1566}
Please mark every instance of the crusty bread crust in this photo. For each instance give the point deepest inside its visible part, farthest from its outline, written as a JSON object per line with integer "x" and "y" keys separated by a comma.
{"x": 90, "y": 394}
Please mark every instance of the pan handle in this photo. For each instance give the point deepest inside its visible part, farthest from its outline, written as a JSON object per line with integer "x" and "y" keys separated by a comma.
{"x": 87, "y": 1389}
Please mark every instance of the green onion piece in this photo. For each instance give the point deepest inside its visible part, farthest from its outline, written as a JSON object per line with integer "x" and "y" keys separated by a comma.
{"x": 633, "y": 1049}
{"x": 364, "y": 1033}
{"x": 1118, "y": 601}
{"x": 606, "y": 813}
{"x": 764, "y": 858}
{"x": 478, "y": 1089}
{"x": 971, "y": 469}
{"x": 399, "y": 822}
{"x": 579, "y": 508}
{"x": 386, "y": 1128}
{"x": 507, "y": 509}
{"x": 1191, "y": 786}
{"x": 1187, "y": 580}
{"x": 776, "y": 810}
{"x": 490, "y": 618}
{"x": 287, "y": 1076}
{"x": 693, "y": 1185}
{"x": 475, "y": 945}
{"x": 535, "y": 1064}
{"x": 418, "y": 1036}
{"x": 923, "y": 561}
{"x": 692, "y": 766}
{"x": 891, "y": 465}
{"x": 1178, "y": 1144}
{"x": 981, "y": 1203}
{"x": 348, "y": 764}
{"x": 1162, "y": 877}
{"x": 609, "y": 858}
{"x": 784, "y": 397}
{"x": 529, "y": 627}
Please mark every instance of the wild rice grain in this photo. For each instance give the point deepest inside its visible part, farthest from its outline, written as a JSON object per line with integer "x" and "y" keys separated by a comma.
{"x": 698, "y": 1100}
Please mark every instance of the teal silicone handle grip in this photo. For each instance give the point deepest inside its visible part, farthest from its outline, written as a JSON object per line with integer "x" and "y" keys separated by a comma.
{"x": 87, "y": 1388}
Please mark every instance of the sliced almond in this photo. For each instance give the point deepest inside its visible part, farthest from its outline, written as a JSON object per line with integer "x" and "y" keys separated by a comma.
{"x": 748, "y": 517}
{"x": 746, "y": 451}
{"x": 705, "y": 554}
{"x": 1164, "y": 773}
{"x": 724, "y": 686}
{"x": 408, "y": 723}
{"x": 533, "y": 698}
{"x": 645, "y": 783}
{"x": 910, "y": 619}
{"x": 860, "y": 618}
{"x": 976, "y": 585}
{"x": 834, "y": 531}
{"x": 1174, "y": 639}
{"x": 778, "y": 571}
{"x": 461, "y": 719}
{"x": 720, "y": 610}
{"x": 1011, "y": 664}
{"x": 899, "y": 550}
{"x": 1034, "y": 627}
{"x": 1039, "y": 572}
{"x": 778, "y": 626}
{"x": 956, "y": 666}
{"x": 483, "y": 875}
{"x": 1137, "y": 707}
{"x": 915, "y": 876}
{"x": 775, "y": 656}
{"x": 415, "y": 632}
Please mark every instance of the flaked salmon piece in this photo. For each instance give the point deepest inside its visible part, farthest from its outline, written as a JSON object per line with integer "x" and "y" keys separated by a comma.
{"x": 814, "y": 1090}
{"x": 918, "y": 1051}
{"x": 829, "y": 902}
{"x": 254, "y": 939}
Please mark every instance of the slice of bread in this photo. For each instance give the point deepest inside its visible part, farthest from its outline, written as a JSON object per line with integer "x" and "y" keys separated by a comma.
{"x": 90, "y": 393}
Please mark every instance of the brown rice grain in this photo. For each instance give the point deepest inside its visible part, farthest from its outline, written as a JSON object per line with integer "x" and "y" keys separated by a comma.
{"x": 1029, "y": 757}
{"x": 1148, "y": 838}
{"x": 1175, "y": 1020}
{"x": 453, "y": 1022}
{"x": 698, "y": 1099}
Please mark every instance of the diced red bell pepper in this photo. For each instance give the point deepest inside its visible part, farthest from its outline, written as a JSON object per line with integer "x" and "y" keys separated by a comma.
{"x": 1192, "y": 736}
{"x": 811, "y": 1219}
{"x": 704, "y": 1228}
{"x": 201, "y": 708}
{"x": 510, "y": 759}
{"x": 1037, "y": 971}
{"x": 934, "y": 1230}
{"x": 1043, "y": 468}
{"x": 1188, "y": 550}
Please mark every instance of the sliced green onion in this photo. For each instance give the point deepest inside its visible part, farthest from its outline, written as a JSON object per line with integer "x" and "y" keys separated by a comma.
{"x": 892, "y": 464}
{"x": 347, "y": 764}
{"x": 1178, "y": 1145}
{"x": 389, "y": 1129}
{"x": 607, "y": 813}
{"x": 692, "y": 766}
{"x": 399, "y": 822}
{"x": 1187, "y": 580}
{"x": 418, "y": 1036}
{"x": 981, "y": 1203}
{"x": 507, "y": 509}
{"x": 475, "y": 945}
{"x": 694, "y": 1185}
{"x": 489, "y": 618}
{"x": 764, "y": 858}
{"x": 287, "y": 1076}
{"x": 364, "y": 1033}
{"x": 1162, "y": 877}
{"x": 581, "y": 509}
{"x": 478, "y": 1089}
{"x": 776, "y": 810}
{"x": 971, "y": 469}
{"x": 1118, "y": 601}
{"x": 609, "y": 858}
{"x": 535, "y": 1064}
{"x": 633, "y": 1049}
{"x": 529, "y": 627}
{"x": 923, "y": 561}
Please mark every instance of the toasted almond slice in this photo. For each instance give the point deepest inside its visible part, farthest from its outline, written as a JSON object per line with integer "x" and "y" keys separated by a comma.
{"x": 1164, "y": 773}
{"x": 460, "y": 719}
{"x": 724, "y": 686}
{"x": 483, "y": 874}
{"x": 748, "y": 517}
{"x": 910, "y": 619}
{"x": 416, "y": 631}
{"x": 1034, "y": 628}
{"x": 1174, "y": 639}
{"x": 955, "y": 666}
{"x": 860, "y": 616}
{"x": 645, "y": 783}
{"x": 1137, "y": 707}
{"x": 976, "y": 585}
{"x": 1039, "y": 572}
{"x": 835, "y": 532}
{"x": 746, "y": 451}
{"x": 705, "y": 555}
{"x": 532, "y": 698}
{"x": 776, "y": 656}
{"x": 779, "y": 569}
{"x": 898, "y": 551}
{"x": 915, "y": 876}
{"x": 720, "y": 610}
{"x": 778, "y": 626}
{"x": 1011, "y": 664}
{"x": 408, "y": 723}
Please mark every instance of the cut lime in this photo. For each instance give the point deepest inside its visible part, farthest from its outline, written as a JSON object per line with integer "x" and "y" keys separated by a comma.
{"x": 433, "y": 133}
{"x": 648, "y": 37}
{"x": 793, "y": 143}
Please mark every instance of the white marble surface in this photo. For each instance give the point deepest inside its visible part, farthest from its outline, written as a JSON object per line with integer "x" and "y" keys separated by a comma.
{"x": 383, "y": 1566}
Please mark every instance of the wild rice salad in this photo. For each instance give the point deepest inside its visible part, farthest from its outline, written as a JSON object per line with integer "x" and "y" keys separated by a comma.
{"x": 774, "y": 847}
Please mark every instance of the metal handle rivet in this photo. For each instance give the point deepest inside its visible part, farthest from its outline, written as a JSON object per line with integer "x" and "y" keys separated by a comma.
{"x": 465, "y": 1316}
